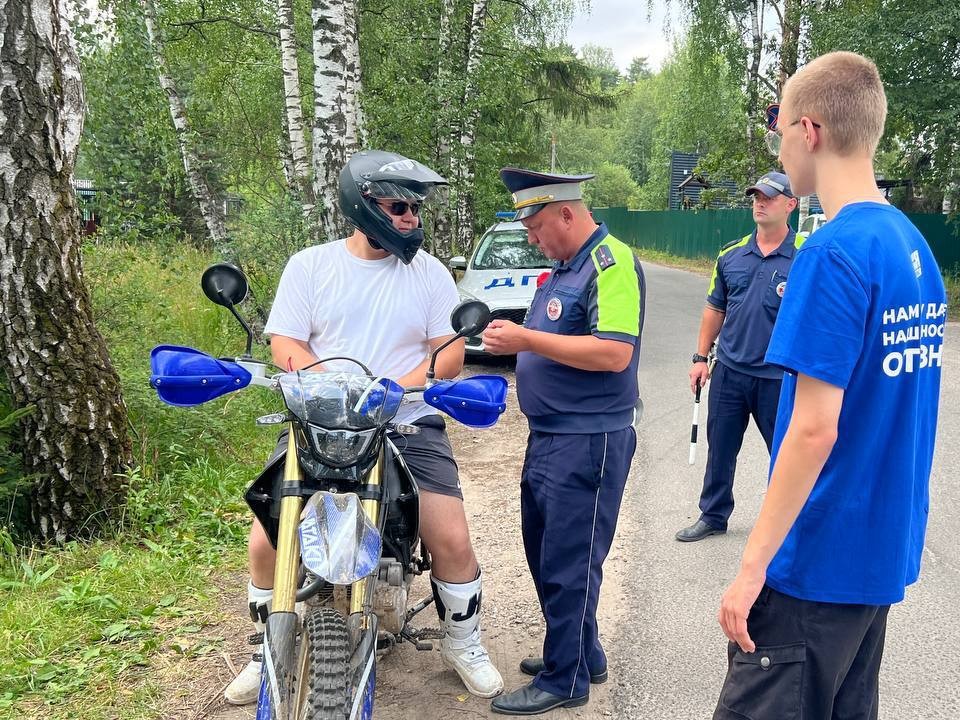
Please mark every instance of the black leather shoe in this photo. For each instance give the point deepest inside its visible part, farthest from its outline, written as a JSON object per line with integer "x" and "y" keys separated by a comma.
{"x": 698, "y": 531}
{"x": 531, "y": 700}
{"x": 534, "y": 665}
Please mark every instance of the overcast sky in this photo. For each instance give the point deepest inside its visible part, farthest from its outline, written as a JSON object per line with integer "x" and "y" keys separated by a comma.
{"x": 623, "y": 26}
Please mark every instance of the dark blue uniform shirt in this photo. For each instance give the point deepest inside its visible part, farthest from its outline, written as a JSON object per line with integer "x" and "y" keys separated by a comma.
{"x": 749, "y": 287}
{"x": 599, "y": 292}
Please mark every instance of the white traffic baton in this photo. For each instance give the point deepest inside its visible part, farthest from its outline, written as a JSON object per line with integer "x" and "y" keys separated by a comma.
{"x": 696, "y": 424}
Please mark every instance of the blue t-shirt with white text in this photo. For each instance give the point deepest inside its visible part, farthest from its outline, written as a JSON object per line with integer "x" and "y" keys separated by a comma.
{"x": 864, "y": 310}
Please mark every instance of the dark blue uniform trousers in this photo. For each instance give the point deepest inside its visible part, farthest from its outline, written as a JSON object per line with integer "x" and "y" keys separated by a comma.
{"x": 570, "y": 496}
{"x": 733, "y": 398}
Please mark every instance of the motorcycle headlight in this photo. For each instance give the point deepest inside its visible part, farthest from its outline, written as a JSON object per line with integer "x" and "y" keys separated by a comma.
{"x": 341, "y": 448}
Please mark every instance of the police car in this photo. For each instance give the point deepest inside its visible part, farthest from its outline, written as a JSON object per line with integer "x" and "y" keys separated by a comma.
{"x": 812, "y": 223}
{"x": 502, "y": 272}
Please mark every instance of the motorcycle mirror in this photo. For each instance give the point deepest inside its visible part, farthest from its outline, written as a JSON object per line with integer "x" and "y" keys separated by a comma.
{"x": 470, "y": 318}
{"x": 225, "y": 284}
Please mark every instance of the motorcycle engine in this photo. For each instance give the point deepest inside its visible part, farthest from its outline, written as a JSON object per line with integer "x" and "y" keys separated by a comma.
{"x": 390, "y": 597}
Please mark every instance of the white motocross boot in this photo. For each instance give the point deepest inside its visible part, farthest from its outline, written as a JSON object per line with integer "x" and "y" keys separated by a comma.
{"x": 246, "y": 686}
{"x": 458, "y": 605}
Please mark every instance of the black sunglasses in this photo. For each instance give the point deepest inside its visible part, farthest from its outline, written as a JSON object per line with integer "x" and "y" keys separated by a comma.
{"x": 399, "y": 208}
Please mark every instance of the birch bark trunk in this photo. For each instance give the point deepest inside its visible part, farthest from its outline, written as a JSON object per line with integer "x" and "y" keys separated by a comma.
{"x": 466, "y": 163}
{"x": 293, "y": 109}
{"x": 330, "y": 112}
{"x": 286, "y": 157}
{"x": 75, "y": 441}
{"x": 441, "y": 239}
{"x": 356, "y": 121}
{"x": 790, "y": 44}
{"x": 753, "y": 84}
{"x": 211, "y": 207}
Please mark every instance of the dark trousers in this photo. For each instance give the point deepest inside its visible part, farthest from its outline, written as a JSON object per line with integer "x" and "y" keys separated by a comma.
{"x": 733, "y": 398}
{"x": 570, "y": 496}
{"x": 814, "y": 661}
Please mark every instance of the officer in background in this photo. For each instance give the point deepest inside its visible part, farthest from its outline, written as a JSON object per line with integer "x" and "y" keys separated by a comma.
{"x": 577, "y": 356}
{"x": 742, "y": 303}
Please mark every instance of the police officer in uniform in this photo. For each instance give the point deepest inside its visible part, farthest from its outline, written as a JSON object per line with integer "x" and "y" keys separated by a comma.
{"x": 742, "y": 303}
{"x": 577, "y": 356}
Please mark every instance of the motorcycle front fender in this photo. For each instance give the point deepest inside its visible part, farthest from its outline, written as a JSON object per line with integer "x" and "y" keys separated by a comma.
{"x": 338, "y": 542}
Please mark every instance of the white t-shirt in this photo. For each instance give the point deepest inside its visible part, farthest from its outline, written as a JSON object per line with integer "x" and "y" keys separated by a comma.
{"x": 381, "y": 312}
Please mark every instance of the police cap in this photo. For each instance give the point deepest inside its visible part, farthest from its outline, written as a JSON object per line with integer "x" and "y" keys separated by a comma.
{"x": 771, "y": 184}
{"x": 532, "y": 190}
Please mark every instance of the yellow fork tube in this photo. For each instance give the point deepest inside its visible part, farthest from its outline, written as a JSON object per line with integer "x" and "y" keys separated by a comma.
{"x": 288, "y": 540}
{"x": 372, "y": 509}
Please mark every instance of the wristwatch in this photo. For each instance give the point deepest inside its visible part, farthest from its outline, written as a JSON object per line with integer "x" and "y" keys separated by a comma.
{"x": 698, "y": 358}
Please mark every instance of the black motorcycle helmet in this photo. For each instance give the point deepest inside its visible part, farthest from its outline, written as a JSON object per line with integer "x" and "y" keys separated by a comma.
{"x": 370, "y": 175}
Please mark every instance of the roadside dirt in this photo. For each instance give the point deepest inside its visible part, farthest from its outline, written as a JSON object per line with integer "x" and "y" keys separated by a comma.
{"x": 411, "y": 683}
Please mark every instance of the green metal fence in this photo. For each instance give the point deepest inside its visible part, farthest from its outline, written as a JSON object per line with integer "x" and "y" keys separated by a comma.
{"x": 702, "y": 233}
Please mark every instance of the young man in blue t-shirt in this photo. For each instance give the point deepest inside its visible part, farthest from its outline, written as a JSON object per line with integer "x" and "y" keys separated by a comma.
{"x": 859, "y": 334}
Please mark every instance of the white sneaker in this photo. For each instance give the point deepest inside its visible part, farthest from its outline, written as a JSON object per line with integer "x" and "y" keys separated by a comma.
{"x": 246, "y": 686}
{"x": 472, "y": 663}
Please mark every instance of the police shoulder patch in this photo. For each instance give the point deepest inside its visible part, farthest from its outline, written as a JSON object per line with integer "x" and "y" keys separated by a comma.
{"x": 604, "y": 257}
{"x": 734, "y": 243}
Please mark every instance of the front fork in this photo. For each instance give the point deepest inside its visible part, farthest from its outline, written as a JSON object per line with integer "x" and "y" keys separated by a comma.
{"x": 288, "y": 539}
{"x": 278, "y": 696}
{"x": 361, "y": 592}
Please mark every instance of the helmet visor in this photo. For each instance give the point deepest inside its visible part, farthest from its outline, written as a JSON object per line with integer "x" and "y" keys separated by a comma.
{"x": 386, "y": 190}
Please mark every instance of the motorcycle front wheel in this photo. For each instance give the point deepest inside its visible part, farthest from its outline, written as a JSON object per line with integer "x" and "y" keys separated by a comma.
{"x": 323, "y": 690}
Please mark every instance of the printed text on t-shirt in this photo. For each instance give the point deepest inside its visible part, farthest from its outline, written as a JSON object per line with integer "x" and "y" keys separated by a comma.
{"x": 925, "y": 321}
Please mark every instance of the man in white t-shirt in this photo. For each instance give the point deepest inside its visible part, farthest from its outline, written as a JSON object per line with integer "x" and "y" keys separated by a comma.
{"x": 375, "y": 298}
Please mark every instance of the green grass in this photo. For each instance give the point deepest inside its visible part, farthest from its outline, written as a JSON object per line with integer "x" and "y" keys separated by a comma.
{"x": 83, "y": 627}
{"x": 698, "y": 265}
{"x": 83, "y": 624}
{"x": 952, "y": 282}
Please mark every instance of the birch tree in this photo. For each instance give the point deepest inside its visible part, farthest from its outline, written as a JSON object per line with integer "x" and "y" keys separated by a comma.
{"x": 356, "y": 122}
{"x": 753, "y": 49}
{"x": 330, "y": 110}
{"x": 441, "y": 239}
{"x": 75, "y": 442}
{"x": 293, "y": 108}
{"x": 791, "y": 20}
{"x": 752, "y": 80}
{"x": 464, "y": 164}
{"x": 286, "y": 155}
{"x": 211, "y": 207}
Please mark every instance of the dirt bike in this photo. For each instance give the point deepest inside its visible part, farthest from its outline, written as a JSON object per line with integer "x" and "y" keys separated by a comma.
{"x": 340, "y": 507}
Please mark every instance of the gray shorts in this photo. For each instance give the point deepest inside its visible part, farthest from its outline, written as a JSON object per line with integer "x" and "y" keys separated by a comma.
{"x": 428, "y": 455}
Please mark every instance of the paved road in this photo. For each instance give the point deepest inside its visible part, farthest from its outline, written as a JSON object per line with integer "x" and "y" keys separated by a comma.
{"x": 669, "y": 661}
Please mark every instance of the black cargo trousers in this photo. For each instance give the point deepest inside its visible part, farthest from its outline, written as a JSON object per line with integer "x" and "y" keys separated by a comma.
{"x": 814, "y": 661}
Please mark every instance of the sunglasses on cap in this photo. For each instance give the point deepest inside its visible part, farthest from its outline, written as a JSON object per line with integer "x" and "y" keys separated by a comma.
{"x": 399, "y": 207}
{"x": 774, "y": 136}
